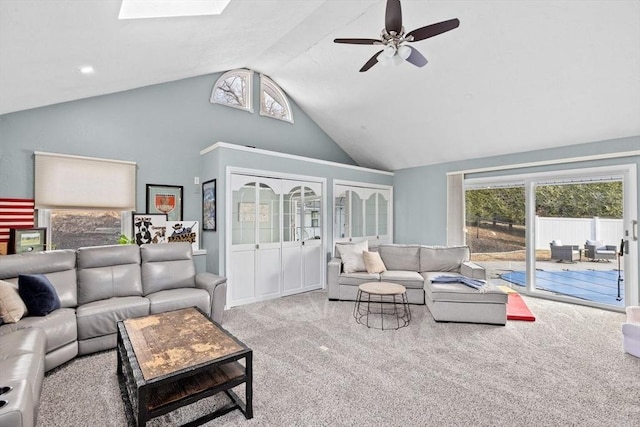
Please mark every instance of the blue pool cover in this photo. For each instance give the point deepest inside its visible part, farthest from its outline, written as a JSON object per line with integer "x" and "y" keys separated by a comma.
{"x": 590, "y": 285}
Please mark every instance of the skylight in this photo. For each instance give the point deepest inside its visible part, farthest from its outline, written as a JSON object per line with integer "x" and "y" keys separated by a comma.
{"x": 138, "y": 9}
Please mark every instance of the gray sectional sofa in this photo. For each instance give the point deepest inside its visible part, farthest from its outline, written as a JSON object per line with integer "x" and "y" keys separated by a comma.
{"x": 414, "y": 267}
{"x": 96, "y": 286}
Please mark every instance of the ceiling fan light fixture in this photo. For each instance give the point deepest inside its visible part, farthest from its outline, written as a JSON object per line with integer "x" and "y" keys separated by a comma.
{"x": 404, "y": 51}
{"x": 389, "y": 51}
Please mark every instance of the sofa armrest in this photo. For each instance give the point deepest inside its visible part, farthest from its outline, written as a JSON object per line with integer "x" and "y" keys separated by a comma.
{"x": 217, "y": 288}
{"x": 334, "y": 269}
{"x": 473, "y": 270}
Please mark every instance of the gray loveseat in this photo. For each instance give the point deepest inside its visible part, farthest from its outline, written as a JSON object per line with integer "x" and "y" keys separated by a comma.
{"x": 414, "y": 267}
{"x": 97, "y": 286}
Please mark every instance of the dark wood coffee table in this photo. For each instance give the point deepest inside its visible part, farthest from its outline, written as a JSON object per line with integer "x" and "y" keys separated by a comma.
{"x": 173, "y": 359}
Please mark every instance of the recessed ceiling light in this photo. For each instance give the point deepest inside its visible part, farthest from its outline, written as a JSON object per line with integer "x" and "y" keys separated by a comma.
{"x": 137, "y": 9}
{"x": 87, "y": 69}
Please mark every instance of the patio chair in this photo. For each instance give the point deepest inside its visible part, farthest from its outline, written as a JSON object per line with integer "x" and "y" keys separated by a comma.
{"x": 596, "y": 250}
{"x": 631, "y": 331}
{"x": 560, "y": 252}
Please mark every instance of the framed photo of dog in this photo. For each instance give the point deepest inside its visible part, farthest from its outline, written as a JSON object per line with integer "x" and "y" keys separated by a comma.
{"x": 149, "y": 228}
{"x": 209, "y": 205}
{"x": 165, "y": 199}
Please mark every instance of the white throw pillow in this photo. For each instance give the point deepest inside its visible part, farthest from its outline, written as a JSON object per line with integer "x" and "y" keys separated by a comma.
{"x": 352, "y": 260}
{"x": 373, "y": 262}
{"x": 557, "y": 243}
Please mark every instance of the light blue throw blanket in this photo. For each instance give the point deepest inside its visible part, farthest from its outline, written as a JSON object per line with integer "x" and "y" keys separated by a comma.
{"x": 472, "y": 283}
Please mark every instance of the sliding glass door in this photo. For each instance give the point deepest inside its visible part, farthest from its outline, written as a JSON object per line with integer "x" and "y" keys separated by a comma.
{"x": 558, "y": 234}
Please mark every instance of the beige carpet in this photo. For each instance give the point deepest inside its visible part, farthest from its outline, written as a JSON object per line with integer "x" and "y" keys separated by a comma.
{"x": 314, "y": 366}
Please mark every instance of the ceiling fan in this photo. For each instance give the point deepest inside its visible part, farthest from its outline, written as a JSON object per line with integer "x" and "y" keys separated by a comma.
{"x": 393, "y": 38}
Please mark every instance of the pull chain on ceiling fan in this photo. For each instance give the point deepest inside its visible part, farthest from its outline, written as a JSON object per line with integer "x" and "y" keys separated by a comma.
{"x": 393, "y": 38}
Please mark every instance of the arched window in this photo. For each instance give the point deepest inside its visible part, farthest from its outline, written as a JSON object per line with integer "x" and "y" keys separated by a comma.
{"x": 233, "y": 89}
{"x": 273, "y": 101}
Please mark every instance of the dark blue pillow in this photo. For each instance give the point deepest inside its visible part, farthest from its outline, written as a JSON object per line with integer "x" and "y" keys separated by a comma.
{"x": 38, "y": 294}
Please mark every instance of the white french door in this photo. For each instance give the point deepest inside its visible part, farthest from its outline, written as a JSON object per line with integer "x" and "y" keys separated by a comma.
{"x": 302, "y": 236}
{"x": 255, "y": 241}
{"x": 276, "y": 244}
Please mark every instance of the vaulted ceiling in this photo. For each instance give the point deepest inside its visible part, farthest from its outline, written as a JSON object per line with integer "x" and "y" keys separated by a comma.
{"x": 515, "y": 76}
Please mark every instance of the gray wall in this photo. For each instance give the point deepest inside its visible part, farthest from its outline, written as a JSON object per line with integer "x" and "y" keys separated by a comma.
{"x": 161, "y": 127}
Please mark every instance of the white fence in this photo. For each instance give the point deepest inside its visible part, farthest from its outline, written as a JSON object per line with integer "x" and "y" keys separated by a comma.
{"x": 575, "y": 231}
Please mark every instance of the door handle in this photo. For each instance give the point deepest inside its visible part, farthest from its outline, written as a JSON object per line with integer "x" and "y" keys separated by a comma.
{"x": 634, "y": 229}
{"x": 257, "y": 246}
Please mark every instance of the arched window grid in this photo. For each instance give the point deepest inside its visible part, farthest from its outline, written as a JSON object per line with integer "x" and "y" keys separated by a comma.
{"x": 233, "y": 89}
{"x": 273, "y": 101}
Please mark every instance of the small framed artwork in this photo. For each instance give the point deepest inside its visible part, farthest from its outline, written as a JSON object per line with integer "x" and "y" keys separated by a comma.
{"x": 27, "y": 240}
{"x": 165, "y": 199}
{"x": 209, "y": 205}
{"x": 149, "y": 228}
{"x": 184, "y": 231}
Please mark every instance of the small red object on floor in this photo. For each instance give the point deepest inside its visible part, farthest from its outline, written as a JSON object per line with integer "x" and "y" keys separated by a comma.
{"x": 517, "y": 309}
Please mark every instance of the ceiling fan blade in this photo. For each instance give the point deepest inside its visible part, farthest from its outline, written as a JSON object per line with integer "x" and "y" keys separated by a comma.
{"x": 358, "y": 41}
{"x": 393, "y": 17}
{"x": 371, "y": 62}
{"x": 416, "y": 58}
{"x": 433, "y": 30}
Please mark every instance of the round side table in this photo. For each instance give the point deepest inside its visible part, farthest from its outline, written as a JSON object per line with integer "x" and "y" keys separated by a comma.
{"x": 388, "y": 300}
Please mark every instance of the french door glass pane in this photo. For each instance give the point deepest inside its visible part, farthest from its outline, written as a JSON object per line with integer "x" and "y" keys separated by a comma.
{"x": 269, "y": 215}
{"x": 370, "y": 216}
{"x": 357, "y": 227}
{"x": 243, "y": 215}
{"x": 383, "y": 216}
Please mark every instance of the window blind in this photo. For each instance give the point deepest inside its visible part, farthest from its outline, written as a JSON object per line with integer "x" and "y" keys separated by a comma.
{"x": 71, "y": 182}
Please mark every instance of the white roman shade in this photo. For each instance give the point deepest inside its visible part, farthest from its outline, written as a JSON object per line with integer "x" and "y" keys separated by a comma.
{"x": 68, "y": 182}
{"x": 455, "y": 209}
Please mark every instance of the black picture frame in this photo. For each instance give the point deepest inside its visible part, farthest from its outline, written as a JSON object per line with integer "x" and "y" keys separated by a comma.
{"x": 165, "y": 199}
{"x": 209, "y": 222}
{"x": 27, "y": 240}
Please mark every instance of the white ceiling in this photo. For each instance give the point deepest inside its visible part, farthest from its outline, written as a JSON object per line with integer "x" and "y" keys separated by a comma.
{"x": 515, "y": 76}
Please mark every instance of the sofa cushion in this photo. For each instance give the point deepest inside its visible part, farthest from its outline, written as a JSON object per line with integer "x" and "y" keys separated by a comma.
{"x": 401, "y": 257}
{"x": 59, "y": 266}
{"x": 167, "y": 266}
{"x": 351, "y": 255}
{"x": 38, "y": 294}
{"x": 443, "y": 258}
{"x": 358, "y": 278}
{"x": 458, "y": 292}
{"x": 108, "y": 271}
{"x": 99, "y": 318}
{"x": 59, "y": 326}
{"x": 373, "y": 262}
{"x": 174, "y": 299}
{"x": 408, "y": 279}
{"x": 12, "y": 307}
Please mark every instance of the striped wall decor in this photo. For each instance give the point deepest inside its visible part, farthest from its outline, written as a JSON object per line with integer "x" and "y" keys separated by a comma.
{"x": 14, "y": 213}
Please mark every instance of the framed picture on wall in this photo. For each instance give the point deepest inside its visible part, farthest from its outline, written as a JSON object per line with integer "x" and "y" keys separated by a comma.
{"x": 184, "y": 231}
{"x": 165, "y": 199}
{"x": 149, "y": 228}
{"x": 27, "y": 240}
{"x": 209, "y": 205}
